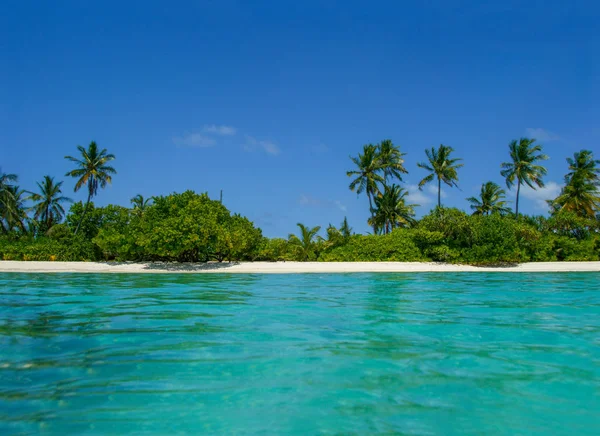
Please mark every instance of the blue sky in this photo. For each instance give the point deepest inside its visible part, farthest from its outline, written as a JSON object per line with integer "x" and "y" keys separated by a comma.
{"x": 267, "y": 99}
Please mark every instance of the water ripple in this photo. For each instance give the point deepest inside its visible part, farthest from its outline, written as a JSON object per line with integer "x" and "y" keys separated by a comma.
{"x": 300, "y": 354}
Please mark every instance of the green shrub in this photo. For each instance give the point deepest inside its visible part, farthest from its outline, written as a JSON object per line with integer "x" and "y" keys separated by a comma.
{"x": 397, "y": 246}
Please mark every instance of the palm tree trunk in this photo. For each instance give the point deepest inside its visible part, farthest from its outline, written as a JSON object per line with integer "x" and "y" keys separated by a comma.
{"x": 371, "y": 210}
{"x": 87, "y": 204}
{"x": 518, "y": 191}
{"x": 439, "y": 192}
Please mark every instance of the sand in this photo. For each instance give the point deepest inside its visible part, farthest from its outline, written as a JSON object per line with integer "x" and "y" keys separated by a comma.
{"x": 284, "y": 267}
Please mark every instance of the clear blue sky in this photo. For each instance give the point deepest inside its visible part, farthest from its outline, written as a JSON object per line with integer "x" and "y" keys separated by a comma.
{"x": 267, "y": 99}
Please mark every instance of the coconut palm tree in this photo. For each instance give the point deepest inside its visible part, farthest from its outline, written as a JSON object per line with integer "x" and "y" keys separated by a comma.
{"x": 391, "y": 210}
{"x": 305, "y": 242}
{"x": 584, "y": 166}
{"x": 140, "y": 204}
{"x": 345, "y": 229}
{"x": 391, "y": 160}
{"x": 579, "y": 196}
{"x": 92, "y": 170}
{"x": 14, "y": 214}
{"x": 48, "y": 208}
{"x": 581, "y": 191}
{"x": 367, "y": 173}
{"x": 6, "y": 200}
{"x": 523, "y": 166}
{"x": 442, "y": 167}
{"x": 491, "y": 200}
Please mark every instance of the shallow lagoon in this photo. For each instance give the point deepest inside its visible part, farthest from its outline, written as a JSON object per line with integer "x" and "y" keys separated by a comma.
{"x": 421, "y": 353}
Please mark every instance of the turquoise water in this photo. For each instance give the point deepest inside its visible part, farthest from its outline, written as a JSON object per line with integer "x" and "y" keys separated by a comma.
{"x": 464, "y": 353}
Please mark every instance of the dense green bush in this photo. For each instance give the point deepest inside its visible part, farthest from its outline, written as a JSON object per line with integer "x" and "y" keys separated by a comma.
{"x": 192, "y": 227}
{"x": 183, "y": 227}
{"x": 48, "y": 249}
{"x": 396, "y": 246}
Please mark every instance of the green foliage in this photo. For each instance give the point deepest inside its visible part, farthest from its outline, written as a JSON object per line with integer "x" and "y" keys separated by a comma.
{"x": 274, "y": 250}
{"x": 69, "y": 248}
{"x": 304, "y": 247}
{"x": 491, "y": 200}
{"x": 523, "y": 167}
{"x": 184, "y": 227}
{"x": 396, "y": 246}
{"x": 440, "y": 166}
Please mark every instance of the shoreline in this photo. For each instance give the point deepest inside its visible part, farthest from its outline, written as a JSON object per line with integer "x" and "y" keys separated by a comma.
{"x": 283, "y": 267}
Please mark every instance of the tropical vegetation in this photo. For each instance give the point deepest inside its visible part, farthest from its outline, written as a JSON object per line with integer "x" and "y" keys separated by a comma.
{"x": 192, "y": 227}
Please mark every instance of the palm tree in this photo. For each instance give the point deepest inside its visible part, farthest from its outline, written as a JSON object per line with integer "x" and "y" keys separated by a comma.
{"x": 491, "y": 200}
{"x": 581, "y": 191}
{"x": 579, "y": 196}
{"x": 305, "y": 242}
{"x": 524, "y": 154}
{"x": 440, "y": 166}
{"x": 14, "y": 213}
{"x": 48, "y": 208}
{"x": 584, "y": 166}
{"x": 391, "y": 210}
{"x": 6, "y": 197}
{"x": 140, "y": 204}
{"x": 345, "y": 229}
{"x": 92, "y": 170}
{"x": 391, "y": 160}
{"x": 367, "y": 174}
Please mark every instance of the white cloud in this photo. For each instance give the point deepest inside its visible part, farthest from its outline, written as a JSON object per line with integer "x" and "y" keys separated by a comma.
{"x": 540, "y": 195}
{"x": 220, "y": 130}
{"x": 541, "y": 134}
{"x": 340, "y": 206}
{"x": 416, "y": 196}
{"x": 194, "y": 140}
{"x": 433, "y": 190}
{"x": 253, "y": 144}
{"x": 307, "y": 200}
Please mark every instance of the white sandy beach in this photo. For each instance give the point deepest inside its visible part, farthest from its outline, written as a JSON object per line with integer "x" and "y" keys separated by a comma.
{"x": 285, "y": 267}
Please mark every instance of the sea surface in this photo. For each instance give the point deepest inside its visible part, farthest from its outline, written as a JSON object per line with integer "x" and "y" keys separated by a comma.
{"x": 419, "y": 353}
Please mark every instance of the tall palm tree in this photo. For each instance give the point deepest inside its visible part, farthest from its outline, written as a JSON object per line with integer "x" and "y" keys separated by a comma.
{"x": 6, "y": 199}
{"x": 579, "y": 196}
{"x": 391, "y": 160}
{"x": 48, "y": 208}
{"x": 305, "y": 243}
{"x": 140, "y": 204}
{"x": 442, "y": 167}
{"x": 391, "y": 210}
{"x": 367, "y": 173}
{"x": 491, "y": 200}
{"x": 14, "y": 214}
{"x": 581, "y": 192}
{"x": 92, "y": 170}
{"x": 523, "y": 166}
{"x": 583, "y": 165}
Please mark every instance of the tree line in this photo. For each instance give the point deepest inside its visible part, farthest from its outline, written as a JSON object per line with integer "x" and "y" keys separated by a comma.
{"x": 190, "y": 227}
{"x": 378, "y": 168}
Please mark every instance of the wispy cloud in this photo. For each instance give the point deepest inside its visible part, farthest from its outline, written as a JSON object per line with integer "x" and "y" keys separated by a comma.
{"x": 433, "y": 190}
{"x": 541, "y": 134}
{"x": 307, "y": 200}
{"x": 340, "y": 205}
{"x": 219, "y": 130}
{"x": 195, "y": 140}
{"x": 540, "y": 195}
{"x": 416, "y": 196}
{"x": 253, "y": 144}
